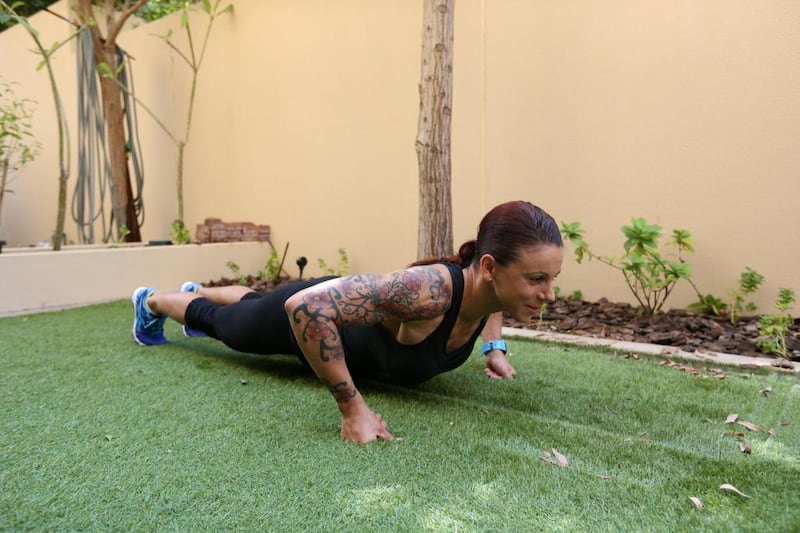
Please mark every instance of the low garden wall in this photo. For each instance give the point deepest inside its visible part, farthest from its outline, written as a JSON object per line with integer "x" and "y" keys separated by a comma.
{"x": 34, "y": 280}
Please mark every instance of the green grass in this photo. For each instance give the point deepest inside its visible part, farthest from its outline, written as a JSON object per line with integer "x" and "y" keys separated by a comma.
{"x": 97, "y": 433}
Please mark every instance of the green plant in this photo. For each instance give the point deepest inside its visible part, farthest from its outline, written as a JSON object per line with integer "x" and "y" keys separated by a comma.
{"x": 577, "y": 294}
{"x": 708, "y": 304}
{"x": 649, "y": 275}
{"x": 237, "y": 272}
{"x": 156, "y": 9}
{"x": 180, "y": 233}
{"x": 9, "y": 13}
{"x": 542, "y": 311}
{"x": 749, "y": 282}
{"x": 18, "y": 147}
{"x": 122, "y": 233}
{"x": 272, "y": 270}
{"x": 772, "y": 329}
{"x": 341, "y": 269}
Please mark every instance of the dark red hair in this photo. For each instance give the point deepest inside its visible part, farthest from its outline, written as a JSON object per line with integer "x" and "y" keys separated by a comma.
{"x": 503, "y": 231}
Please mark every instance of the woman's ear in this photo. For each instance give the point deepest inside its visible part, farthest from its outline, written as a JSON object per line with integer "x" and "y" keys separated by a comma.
{"x": 487, "y": 265}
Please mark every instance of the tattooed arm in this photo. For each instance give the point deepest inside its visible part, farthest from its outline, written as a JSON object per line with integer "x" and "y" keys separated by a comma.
{"x": 317, "y": 312}
{"x": 497, "y": 366}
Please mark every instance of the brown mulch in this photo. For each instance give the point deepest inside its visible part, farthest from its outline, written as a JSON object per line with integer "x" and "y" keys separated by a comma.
{"x": 621, "y": 321}
{"x": 679, "y": 328}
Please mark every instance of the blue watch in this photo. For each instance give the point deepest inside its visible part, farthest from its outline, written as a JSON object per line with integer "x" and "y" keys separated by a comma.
{"x": 494, "y": 345}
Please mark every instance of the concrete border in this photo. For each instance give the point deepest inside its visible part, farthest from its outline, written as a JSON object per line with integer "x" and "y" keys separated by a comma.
{"x": 35, "y": 281}
{"x": 655, "y": 349}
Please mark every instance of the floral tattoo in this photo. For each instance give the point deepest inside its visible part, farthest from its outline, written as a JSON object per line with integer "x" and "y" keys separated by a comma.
{"x": 414, "y": 294}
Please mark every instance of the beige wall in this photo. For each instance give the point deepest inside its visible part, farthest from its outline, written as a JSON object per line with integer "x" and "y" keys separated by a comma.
{"x": 682, "y": 112}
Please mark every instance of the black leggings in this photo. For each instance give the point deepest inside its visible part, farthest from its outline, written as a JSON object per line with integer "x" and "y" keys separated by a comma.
{"x": 255, "y": 324}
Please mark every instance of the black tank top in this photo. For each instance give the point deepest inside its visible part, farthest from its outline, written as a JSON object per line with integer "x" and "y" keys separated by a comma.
{"x": 373, "y": 352}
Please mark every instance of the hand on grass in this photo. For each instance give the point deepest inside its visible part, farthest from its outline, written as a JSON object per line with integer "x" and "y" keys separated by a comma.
{"x": 498, "y": 367}
{"x": 363, "y": 426}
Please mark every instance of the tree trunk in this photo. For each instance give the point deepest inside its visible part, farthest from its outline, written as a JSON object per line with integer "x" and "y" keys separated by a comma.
{"x": 122, "y": 203}
{"x": 114, "y": 117}
{"x": 435, "y": 237}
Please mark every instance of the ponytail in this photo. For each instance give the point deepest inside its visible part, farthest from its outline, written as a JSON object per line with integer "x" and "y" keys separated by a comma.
{"x": 464, "y": 257}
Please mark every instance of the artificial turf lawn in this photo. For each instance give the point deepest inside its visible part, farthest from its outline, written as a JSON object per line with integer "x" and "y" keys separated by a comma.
{"x": 99, "y": 433}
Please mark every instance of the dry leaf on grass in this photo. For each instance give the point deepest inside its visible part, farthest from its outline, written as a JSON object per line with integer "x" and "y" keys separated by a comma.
{"x": 243, "y": 381}
{"x": 559, "y": 460}
{"x": 731, "y": 418}
{"x": 562, "y": 460}
{"x": 731, "y": 488}
{"x": 785, "y": 422}
{"x": 772, "y": 432}
{"x": 697, "y": 503}
{"x": 750, "y": 426}
{"x": 745, "y": 447}
{"x": 765, "y": 392}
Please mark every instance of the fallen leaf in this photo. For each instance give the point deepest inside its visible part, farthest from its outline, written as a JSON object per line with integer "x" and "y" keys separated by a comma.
{"x": 562, "y": 460}
{"x": 697, "y": 503}
{"x": 765, "y": 392}
{"x": 243, "y": 381}
{"x": 731, "y": 418}
{"x": 772, "y": 433}
{"x": 603, "y": 476}
{"x": 731, "y": 488}
{"x": 785, "y": 422}
{"x": 109, "y": 437}
{"x": 746, "y": 448}
{"x": 750, "y": 426}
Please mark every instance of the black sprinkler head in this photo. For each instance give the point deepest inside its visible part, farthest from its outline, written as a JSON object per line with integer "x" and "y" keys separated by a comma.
{"x": 301, "y": 264}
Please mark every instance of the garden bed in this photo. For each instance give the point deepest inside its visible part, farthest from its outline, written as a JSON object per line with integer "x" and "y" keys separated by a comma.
{"x": 678, "y": 328}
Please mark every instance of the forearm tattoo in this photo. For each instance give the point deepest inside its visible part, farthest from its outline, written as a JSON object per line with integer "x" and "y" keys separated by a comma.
{"x": 414, "y": 294}
{"x": 342, "y": 391}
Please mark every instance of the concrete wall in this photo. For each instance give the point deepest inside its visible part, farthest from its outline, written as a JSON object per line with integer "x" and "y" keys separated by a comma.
{"x": 686, "y": 113}
{"x": 44, "y": 280}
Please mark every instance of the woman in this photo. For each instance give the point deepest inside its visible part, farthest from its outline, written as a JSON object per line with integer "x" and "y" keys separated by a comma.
{"x": 403, "y": 327}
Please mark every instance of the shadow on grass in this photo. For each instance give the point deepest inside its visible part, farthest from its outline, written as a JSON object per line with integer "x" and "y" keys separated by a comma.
{"x": 291, "y": 368}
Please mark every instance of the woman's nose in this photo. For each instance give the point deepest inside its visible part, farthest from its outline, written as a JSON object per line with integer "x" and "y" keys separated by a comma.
{"x": 549, "y": 293}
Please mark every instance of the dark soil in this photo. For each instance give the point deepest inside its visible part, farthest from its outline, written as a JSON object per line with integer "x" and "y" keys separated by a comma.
{"x": 681, "y": 329}
{"x": 621, "y": 321}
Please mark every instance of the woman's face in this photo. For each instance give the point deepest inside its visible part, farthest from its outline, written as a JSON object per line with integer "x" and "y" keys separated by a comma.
{"x": 524, "y": 285}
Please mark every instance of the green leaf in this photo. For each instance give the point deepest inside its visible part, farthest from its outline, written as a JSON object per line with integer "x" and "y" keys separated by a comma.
{"x": 228, "y": 9}
{"x": 641, "y": 235}
{"x": 105, "y": 70}
{"x": 750, "y": 280}
{"x": 184, "y": 18}
{"x": 682, "y": 239}
{"x": 207, "y": 6}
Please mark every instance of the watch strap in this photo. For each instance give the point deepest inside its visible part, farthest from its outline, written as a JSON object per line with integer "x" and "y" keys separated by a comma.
{"x": 494, "y": 345}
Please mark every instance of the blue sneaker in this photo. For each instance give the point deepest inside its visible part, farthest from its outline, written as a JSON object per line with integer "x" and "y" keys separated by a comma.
{"x": 148, "y": 327}
{"x": 191, "y": 286}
